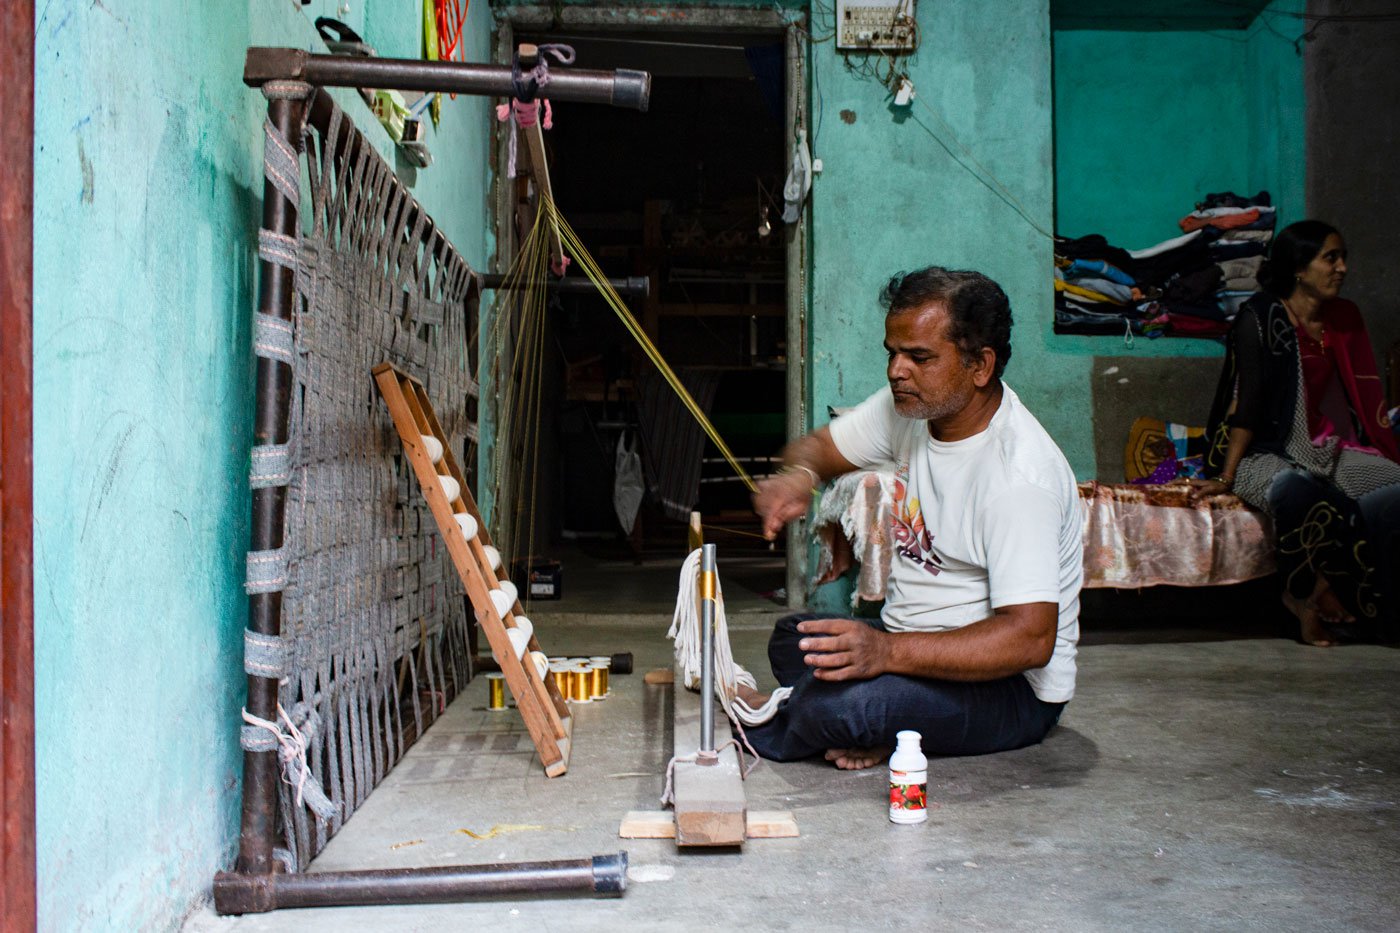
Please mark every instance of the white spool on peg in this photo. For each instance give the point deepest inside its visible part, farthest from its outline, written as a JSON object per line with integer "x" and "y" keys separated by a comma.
{"x": 541, "y": 663}
{"x": 493, "y": 556}
{"x": 450, "y": 488}
{"x": 502, "y": 601}
{"x": 467, "y": 522}
{"x": 524, "y": 624}
{"x": 433, "y": 446}
{"x": 508, "y": 587}
{"x": 519, "y": 641}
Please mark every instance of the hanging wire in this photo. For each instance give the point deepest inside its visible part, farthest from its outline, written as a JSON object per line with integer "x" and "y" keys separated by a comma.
{"x": 451, "y": 19}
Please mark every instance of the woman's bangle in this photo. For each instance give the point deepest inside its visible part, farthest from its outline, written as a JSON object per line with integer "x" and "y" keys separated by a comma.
{"x": 790, "y": 468}
{"x": 1229, "y": 481}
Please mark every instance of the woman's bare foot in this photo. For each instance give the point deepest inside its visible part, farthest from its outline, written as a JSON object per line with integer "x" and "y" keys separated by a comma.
{"x": 1313, "y": 630}
{"x": 854, "y": 759}
{"x": 1329, "y": 607}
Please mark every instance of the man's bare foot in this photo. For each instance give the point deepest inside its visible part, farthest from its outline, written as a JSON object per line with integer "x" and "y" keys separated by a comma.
{"x": 855, "y": 759}
{"x": 750, "y": 696}
{"x": 1313, "y": 630}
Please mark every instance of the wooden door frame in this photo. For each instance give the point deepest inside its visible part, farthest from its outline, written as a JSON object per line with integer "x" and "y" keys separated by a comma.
{"x": 17, "y": 876}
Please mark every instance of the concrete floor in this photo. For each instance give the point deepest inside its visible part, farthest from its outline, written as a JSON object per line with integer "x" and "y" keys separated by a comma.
{"x": 1199, "y": 780}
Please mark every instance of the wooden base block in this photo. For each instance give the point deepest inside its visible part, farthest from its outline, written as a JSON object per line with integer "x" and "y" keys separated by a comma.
{"x": 709, "y": 799}
{"x": 661, "y": 824}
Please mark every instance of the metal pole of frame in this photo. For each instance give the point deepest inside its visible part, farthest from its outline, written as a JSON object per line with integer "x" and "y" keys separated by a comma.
{"x": 274, "y": 392}
{"x": 620, "y": 88}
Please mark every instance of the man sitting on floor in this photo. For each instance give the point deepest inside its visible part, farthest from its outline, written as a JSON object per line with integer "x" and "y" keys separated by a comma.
{"x": 975, "y": 647}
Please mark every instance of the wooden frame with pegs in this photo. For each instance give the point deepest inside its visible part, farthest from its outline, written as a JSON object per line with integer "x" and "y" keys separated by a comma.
{"x": 545, "y": 713}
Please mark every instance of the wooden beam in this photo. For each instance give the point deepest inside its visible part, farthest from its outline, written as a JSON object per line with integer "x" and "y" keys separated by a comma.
{"x": 710, "y": 808}
{"x": 539, "y": 165}
{"x": 546, "y": 715}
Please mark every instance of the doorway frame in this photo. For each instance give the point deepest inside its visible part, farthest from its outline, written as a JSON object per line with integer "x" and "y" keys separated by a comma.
{"x": 18, "y": 894}
{"x": 792, "y": 26}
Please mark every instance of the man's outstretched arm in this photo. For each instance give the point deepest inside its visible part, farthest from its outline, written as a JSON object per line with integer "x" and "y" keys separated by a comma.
{"x": 1012, "y": 640}
{"x": 807, "y": 461}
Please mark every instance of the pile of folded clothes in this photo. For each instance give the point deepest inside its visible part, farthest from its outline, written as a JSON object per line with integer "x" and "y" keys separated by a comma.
{"x": 1188, "y": 286}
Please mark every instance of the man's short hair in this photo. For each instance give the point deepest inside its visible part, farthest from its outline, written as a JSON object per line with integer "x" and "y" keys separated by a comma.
{"x": 979, "y": 314}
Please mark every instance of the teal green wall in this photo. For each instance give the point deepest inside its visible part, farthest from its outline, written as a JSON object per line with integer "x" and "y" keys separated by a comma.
{"x": 1147, "y": 122}
{"x": 147, "y": 195}
{"x": 1278, "y": 117}
{"x": 894, "y": 197}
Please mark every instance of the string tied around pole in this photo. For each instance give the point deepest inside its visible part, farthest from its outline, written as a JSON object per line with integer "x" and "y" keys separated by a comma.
{"x": 527, "y": 84}
{"x": 290, "y": 736}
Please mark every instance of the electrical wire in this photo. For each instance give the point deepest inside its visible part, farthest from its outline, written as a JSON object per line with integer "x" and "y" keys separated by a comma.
{"x": 893, "y": 76}
{"x": 451, "y": 18}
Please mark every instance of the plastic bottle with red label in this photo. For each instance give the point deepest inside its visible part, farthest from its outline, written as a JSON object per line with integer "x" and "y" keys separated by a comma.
{"x": 908, "y": 780}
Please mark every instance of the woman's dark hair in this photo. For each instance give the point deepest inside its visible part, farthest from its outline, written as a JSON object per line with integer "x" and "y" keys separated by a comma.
{"x": 979, "y": 314}
{"x": 1295, "y": 246}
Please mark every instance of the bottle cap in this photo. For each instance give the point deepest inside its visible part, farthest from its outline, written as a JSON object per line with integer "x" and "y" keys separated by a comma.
{"x": 908, "y": 738}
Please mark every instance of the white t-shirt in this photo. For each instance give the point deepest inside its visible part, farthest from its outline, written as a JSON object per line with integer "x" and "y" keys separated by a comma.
{"x": 988, "y": 521}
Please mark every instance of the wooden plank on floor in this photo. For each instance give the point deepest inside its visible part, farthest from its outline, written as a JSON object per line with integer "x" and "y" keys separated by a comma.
{"x": 709, "y": 799}
{"x": 771, "y": 824}
{"x": 648, "y": 824}
{"x": 661, "y": 824}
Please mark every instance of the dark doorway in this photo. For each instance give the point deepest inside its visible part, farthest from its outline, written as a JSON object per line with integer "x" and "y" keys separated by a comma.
{"x": 688, "y": 195}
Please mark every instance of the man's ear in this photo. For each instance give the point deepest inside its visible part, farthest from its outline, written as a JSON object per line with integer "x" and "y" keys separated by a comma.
{"x": 985, "y": 367}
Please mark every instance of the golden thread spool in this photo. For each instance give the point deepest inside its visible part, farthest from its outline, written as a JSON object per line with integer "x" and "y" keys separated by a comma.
{"x": 606, "y": 662}
{"x": 580, "y": 685}
{"x": 598, "y": 677}
{"x": 496, "y": 687}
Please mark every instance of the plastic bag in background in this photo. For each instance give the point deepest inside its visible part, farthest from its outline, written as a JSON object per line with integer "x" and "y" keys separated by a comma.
{"x": 799, "y": 180}
{"x": 628, "y": 485}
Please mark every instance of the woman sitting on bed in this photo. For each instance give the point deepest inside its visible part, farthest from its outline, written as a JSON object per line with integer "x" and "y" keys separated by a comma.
{"x": 1299, "y": 429}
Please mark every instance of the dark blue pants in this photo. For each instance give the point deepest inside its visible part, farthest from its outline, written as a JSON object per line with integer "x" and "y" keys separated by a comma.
{"x": 954, "y": 718}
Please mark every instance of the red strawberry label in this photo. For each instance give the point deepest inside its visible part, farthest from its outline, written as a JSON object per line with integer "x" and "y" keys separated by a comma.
{"x": 908, "y": 796}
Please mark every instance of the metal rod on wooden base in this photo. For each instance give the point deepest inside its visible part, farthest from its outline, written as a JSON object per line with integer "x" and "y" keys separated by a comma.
{"x": 707, "y": 654}
{"x": 239, "y": 893}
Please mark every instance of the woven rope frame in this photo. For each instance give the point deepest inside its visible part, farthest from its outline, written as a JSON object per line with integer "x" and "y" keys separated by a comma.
{"x": 373, "y": 615}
